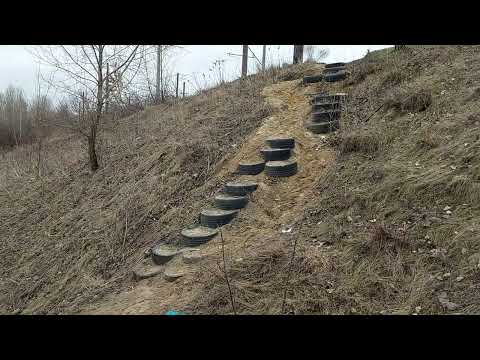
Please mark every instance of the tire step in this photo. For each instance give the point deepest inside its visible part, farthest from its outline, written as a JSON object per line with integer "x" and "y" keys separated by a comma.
{"x": 333, "y": 65}
{"x": 250, "y": 168}
{"x": 281, "y": 143}
{"x": 334, "y": 105}
{"x": 173, "y": 274}
{"x": 198, "y": 235}
{"x": 281, "y": 168}
{"x": 333, "y": 70}
{"x": 270, "y": 154}
{"x": 162, "y": 254}
{"x": 338, "y": 76}
{"x": 311, "y": 79}
{"x": 323, "y": 127}
{"x": 326, "y": 115}
{"x": 321, "y": 98}
{"x": 214, "y": 218}
{"x": 240, "y": 188}
{"x": 229, "y": 202}
{"x": 146, "y": 269}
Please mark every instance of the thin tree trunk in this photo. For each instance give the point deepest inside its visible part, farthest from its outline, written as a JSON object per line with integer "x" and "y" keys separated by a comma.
{"x": 297, "y": 54}
{"x": 92, "y": 152}
{"x": 92, "y": 139}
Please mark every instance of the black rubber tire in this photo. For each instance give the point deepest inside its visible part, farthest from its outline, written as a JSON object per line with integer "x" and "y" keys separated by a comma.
{"x": 332, "y": 65}
{"x": 323, "y": 127}
{"x": 322, "y": 98}
{"x": 229, "y": 202}
{"x": 333, "y": 70}
{"x": 240, "y": 188}
{"x": 214, "y": 218}
{"x": 250, "y": 168}
{"x": 281, "y": 143}
{"x": 338, "y": 76}
{"x": 312, "y": 79}
{"x": 281, "y": 168}
{"x": 326, "y": 106}
{"x": 275, "y": 154}
{"x": 198, "y": 235}
{"x": 161, "y": 255}
{"x": 326, "y": 115}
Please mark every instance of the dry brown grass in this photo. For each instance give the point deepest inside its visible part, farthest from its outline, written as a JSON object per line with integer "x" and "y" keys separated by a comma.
{"x": 392, "y": 232}
{"x": 358, "y": 141}
{"x": 71, "y": 237}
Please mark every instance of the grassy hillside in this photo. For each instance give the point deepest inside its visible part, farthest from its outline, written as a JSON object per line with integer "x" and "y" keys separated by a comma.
{"x": 383, "y": 215}
{"x": 393, "y": 226}
{"x": 69, "y": 237}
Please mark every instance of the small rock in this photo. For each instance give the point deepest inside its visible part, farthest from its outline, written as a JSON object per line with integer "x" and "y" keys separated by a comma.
{"x": 453, "y": 167}
{"x": 418, "y": 309}
{"x": 459, "y": 278}
{"x": 442, "y": 298}
{"x": 446, "y": 275}
{"x": 191, "y": 257}
{"x": 172, "y": 275}
{"x": 349, "y": 218}
{"x": 448, "y": 212}
{"x": 464, "y": 251}
{"x": 446, "y": 208}
{"x": 330, "y": 291}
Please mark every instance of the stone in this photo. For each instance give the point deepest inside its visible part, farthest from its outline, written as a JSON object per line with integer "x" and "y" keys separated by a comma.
{"x": 146, "y": 269}
{"x": 192, "y": 257}
{"x": 173, "y": 274}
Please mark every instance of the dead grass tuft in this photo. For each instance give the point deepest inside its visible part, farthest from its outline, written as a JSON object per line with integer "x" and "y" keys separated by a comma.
{"x": 404, "y": 101}
{"x": 362, "y": 141}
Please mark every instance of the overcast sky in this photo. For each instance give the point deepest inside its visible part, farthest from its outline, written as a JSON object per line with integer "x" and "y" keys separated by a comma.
{"x": 18, "y": 67}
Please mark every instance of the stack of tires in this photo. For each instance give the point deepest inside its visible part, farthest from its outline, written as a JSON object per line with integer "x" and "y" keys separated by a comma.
{"x": 326, "y": 113}
{"x": 331, "y": 73}
{"x": 335, "y": 72}
{"x": 278, "y": 159}
{"x": 277, "y": 162}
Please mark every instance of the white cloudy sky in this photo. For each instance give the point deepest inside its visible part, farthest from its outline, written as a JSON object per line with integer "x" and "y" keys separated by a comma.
{"x": 18, "y": 67}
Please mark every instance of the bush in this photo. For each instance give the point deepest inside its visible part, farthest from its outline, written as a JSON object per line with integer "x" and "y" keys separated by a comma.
{"x": 416, "y": 102}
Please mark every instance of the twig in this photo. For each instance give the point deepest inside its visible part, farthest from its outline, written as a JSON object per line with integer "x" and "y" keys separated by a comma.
{"x": 289, "y": 274}
{"x": 226, "y": 275}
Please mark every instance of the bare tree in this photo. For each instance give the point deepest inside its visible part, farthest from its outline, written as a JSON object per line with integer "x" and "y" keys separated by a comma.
{"x": 83, "y": 74}
{"x": 315, "y": 53}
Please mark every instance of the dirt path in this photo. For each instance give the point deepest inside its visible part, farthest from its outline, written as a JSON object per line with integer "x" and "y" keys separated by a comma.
{"x": 276, "y": 204}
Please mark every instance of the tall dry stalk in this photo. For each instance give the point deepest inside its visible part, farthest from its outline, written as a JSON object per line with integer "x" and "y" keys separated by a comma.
{"x": 225, "y": 273}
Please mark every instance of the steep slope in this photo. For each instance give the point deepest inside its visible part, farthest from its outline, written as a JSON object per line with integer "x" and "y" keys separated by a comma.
{"x": 383, "y": 215}
{"x": 392, "y": 226}
{"x": 275, "y": 206}
{"x": 69, "y": 237}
